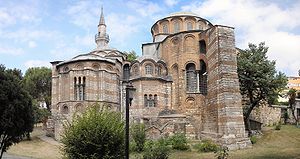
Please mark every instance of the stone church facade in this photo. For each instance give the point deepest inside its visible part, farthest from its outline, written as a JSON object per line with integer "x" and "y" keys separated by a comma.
{"x": 186, "y": 81}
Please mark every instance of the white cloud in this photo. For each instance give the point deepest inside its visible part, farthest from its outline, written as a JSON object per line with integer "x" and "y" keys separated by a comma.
{"x": 11, "y": 50}
{"x": 86, "y": 40}
{"x": 13, "y": 13}
{"x": 145, "y": 8}
{"x": 84, "y": 14}
{"x": 27, "y": 35}
{"x": 256, "y": 21}
{"x": 171, "y": 3}
{"x": 122, "y": 27}
{"x": 31, "y": 44}
{"x": 37, "y": 63}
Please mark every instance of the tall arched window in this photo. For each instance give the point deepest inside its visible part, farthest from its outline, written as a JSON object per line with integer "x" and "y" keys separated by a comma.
{"x": 126, "y": 72}
{"x": 155, "y": 100}
{"x": 75, "y": 88}
{"x": 202, "y": 46}
{"x": 83, "y": 89}
{"x": 148, "y": 69}
{"x": 189, "y": 26}
{"x": 165, "y": 28}
{"x": 145, "y": 100}
{"x": 176, "y": 26}
{"x": 203, "y": 78}
{"x": 79, "y": 88}
{"x": 191, "y": 78}
{"x": 151, "y": 101}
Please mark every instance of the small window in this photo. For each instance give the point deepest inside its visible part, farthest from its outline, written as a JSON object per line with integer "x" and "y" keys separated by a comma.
{"x": 65, "y": 109}
{"x": 66, "y": 69}
{"x": 189, "y": 26}
{"x": 148, "y": 69}
{"x": 165, "y": 28}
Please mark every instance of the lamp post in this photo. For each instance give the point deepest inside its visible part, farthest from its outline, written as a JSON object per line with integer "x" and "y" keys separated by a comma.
{"x": 129, "y": 97}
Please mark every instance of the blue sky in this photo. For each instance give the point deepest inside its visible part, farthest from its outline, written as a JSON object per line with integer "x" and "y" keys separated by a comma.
{"x": 35, "y": 32}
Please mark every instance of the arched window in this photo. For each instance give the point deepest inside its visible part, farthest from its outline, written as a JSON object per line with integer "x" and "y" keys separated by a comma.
{"x": 148, "y": 69}
{"x": 145, "y": 100}
{"x": 66, "y": 69}
{"x": 151, "y": 101}
{"x": 189, "y": 26}
{"x": 155, "y": 100}
{"x": 75, "y": 88}
{"x": 176, "y": 27}
{"x": 202, "y": 46}
{"x": 159, "y": 70}
{"x": 203, "y": 78}
{"x": 65, "y": 110}
{"x": 191, "y": 78}
{"x": 79, "y": 88}
{"x": 126, "y": 72}
{"x": 83, "y": 89}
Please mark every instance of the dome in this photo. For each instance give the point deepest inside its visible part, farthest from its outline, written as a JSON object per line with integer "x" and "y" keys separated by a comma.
{"x": 182, "y": 14}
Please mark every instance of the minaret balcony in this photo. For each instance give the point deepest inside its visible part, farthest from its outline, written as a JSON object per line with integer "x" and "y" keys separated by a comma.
{"x": 101, "y": 37}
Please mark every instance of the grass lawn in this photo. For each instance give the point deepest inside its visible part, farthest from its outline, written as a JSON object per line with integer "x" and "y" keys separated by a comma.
{"x": 282, "y": 144}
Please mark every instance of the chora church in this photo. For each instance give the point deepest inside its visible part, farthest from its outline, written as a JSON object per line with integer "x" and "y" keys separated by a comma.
{"x": 186, "y": 81}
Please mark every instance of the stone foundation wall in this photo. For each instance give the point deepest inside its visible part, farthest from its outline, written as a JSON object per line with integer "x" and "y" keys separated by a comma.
{"x": 266, "y": 114}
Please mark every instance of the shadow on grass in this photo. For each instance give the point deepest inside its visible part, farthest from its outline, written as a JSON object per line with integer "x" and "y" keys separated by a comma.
{"x": 270, "y": 156}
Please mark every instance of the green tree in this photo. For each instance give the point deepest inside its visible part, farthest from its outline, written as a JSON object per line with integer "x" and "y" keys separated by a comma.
{"x": 259, "y": 80}
{"x": 97, "y": 133}
{"x": 16, "y": 115}
{"x": 131, "y": 55}
{"x": 139, "y": 136}
{"x": 292, "y": 103}
{"x": 37, "y": 81}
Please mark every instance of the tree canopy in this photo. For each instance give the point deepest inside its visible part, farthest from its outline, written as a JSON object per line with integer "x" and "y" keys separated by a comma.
{"x": 16, "y": 115}
{"x": 37, "y": 81}
{"x": 131, "y": 55}
{"x": 259, "y": 80}
{"x": 292, "y": 94}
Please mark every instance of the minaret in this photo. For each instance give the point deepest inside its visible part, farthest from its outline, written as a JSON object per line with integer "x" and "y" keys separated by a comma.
{"x": 102, "y": 38}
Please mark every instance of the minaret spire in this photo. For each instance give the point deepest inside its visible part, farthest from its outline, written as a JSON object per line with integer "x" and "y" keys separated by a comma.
{"x": 101, "y": 38}
{"x": 102, "y": 21}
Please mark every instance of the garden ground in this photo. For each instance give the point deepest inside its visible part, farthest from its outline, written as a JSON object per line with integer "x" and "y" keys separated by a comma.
{"x": 274, "y": 144}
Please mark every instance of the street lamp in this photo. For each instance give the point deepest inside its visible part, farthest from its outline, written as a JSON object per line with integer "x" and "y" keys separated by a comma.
{"x": 129, "y": 97}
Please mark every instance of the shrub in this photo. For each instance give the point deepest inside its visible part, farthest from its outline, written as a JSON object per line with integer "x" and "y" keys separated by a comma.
{"x": 206, "y": 146}
{"x": 156, "y": 150}
{"x": 179, "y": 142}
{"x": 98, "y": 133}
{"x": 278, "y": 126}
{"x": 222, "y": 152}
{"x": 138, "y": 135}
{"x": 253, "y": 139}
